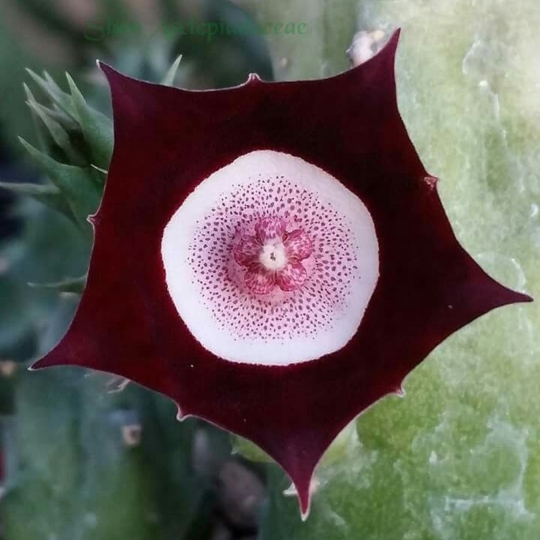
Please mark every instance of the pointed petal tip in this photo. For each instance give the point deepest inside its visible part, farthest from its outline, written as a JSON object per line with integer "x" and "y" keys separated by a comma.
{"x": 103, "y": 66}
{"x": 51, "y": 359}
{"x": 108, "y": 70}
{"x": 525, "y": 298}
{"x": 511, "y": 296}
{"x": 303, "y": 489}
{"x": 304, "y": 499}
{"x": 37, "y": 365}
{"x": 384, "y": 58}
{"x": 391, "y": 45}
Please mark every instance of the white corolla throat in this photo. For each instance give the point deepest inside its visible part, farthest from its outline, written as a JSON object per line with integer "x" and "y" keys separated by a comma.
{"x": 271, "y": 261}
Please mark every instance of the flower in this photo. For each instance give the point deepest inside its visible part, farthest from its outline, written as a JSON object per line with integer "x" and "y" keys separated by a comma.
{"x": 273, "y": 257}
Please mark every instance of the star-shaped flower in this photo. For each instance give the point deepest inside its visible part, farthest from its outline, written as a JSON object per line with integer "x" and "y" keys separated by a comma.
{"x": 273, "y": 257}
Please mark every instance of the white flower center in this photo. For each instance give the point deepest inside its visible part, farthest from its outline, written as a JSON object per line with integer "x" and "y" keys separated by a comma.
{"x": 271, "y": 261}
{"x": 273, "y": 256}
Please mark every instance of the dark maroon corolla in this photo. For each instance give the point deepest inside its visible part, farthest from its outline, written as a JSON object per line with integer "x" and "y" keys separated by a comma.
{"x": 273, "y": 257}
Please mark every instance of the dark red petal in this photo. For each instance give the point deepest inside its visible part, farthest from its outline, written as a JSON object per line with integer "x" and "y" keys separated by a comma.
{"x": 166, "y": 142}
